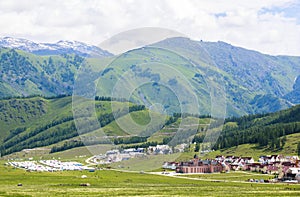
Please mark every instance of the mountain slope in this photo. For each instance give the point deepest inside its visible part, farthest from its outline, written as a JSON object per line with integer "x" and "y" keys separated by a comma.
{"x": 253, "y": 82}
{"x": 246, "y": 75}
{"x": 293, "y": 96}
{"x": 35, "y": 122}
{"x": 38, "y": 122}
{"x": 23, "y": 74}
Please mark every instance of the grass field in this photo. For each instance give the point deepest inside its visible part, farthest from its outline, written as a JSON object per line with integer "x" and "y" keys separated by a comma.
{"x": 114, "y": 183}
{"x": 232, "y": 176}
{"x": 146, "y": 163}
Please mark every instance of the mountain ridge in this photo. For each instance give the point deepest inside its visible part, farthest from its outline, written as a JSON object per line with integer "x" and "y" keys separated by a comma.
{"x": 246, "y": 73}
{"x": 58, "y": 48}
{"x": 254, "y": 82}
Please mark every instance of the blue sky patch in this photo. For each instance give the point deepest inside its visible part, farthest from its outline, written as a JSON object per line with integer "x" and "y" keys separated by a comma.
{"x": 291, "y": 11}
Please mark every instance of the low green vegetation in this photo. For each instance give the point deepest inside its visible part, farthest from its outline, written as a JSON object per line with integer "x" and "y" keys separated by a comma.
{"x": 115, "y": 183}
{"x": 145, "y": 163}
{"x": 231, "y": 176}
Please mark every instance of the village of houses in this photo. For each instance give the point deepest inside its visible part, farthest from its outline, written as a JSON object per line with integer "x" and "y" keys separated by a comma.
{"x": 284, "y": 168}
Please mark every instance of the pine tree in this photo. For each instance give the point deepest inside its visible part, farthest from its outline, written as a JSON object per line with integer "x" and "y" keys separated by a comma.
{"x": 277, "y": 143}
{"x": 272, "y": 145}
{"x": 197, "y": 148}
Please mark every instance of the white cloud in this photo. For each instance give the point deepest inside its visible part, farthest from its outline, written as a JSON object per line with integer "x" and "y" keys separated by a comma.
{"x": 240, "y": 23}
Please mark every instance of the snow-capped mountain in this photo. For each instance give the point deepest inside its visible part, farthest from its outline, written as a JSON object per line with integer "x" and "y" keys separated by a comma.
{"x": 61, "y": 47}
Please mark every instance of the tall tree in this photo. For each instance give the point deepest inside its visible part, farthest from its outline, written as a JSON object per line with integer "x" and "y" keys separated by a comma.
{"x": 277, "y": 143}
{"x": 197, "y": 147}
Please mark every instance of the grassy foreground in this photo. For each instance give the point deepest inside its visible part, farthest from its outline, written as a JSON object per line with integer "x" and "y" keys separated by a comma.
{"x": 114, "y": 183}
{"x": 239, "y": 176}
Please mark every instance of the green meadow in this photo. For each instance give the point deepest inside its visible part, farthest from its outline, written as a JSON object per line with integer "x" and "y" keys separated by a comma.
{"x": 116, "y": 183}
{"x": 239, "y": 176}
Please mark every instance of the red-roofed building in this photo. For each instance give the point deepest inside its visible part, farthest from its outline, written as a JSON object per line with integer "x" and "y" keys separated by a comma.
{"x": 199, "y": 166}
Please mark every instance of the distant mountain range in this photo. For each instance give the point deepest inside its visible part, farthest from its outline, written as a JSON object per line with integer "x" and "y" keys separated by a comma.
{"x": 58, "y": 48}
{"x": 258, "y": 82}
{"x": 253, "y": 82}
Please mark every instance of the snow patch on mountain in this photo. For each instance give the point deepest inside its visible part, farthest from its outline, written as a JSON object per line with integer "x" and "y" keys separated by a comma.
{"x": 60, "y": 47}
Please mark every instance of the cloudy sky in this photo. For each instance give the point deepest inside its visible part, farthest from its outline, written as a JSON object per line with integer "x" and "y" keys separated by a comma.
{"x": 269, "y": 26}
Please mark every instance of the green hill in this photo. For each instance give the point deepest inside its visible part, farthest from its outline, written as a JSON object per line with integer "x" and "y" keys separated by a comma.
{"x": 25, "y": 74}
{"x": 246, "y": 75}
{"x": 290, "y": 148}
{"x": 28, "y": 123}
{"x": 275, "y": 132}
{"x": 36, "y": 122}
{"x": 253, "y": 82}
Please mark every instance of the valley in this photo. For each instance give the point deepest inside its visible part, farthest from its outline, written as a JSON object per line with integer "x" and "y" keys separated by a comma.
{"x": 123, "y": 142}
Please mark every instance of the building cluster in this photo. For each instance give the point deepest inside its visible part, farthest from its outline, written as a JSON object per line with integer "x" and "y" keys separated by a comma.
{"x": 116, "y": 155}
{"x": 48, "y": 165}
{"x": 166, "y": 149}
{"x": 272, "y": 164}
{"x": 70, "y": 165}
{"x": 160, "y": 149}
{"x": 196, "y": 166}
{"x": 285, "y": 168}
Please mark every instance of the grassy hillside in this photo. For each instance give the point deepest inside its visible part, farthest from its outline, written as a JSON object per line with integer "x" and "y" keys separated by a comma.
{"x": 290, "y": 148}
{"x": 24, "y": 74}
{"x": 27, "y": 123}
{"x": 245, "y": 74}
{"x": 35, "y": 122}
{"x": 275, "y": 132}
